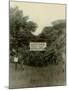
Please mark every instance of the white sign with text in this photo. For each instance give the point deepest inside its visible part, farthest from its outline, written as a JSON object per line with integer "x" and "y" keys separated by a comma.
{"x": 37, "y": 46}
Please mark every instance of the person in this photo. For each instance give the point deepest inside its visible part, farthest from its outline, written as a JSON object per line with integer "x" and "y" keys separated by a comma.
{"x": 16, "y": 61}
{"x": 21, "y": 62}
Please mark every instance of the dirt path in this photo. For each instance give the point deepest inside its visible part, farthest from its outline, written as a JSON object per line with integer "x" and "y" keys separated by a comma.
{"x": 36, "y": 76}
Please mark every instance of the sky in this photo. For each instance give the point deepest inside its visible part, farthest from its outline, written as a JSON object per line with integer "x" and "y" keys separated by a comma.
{"x": 41, "y": 13}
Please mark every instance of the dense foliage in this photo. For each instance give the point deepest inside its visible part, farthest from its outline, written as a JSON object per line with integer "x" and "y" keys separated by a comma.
{"x": 20, "y": 29}
{"x": 21, "y": 35}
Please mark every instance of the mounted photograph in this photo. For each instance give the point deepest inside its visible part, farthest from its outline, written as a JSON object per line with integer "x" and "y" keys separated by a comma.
{"x": 37, "y": 44}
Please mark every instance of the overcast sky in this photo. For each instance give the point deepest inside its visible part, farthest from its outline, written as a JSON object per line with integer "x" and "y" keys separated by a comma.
{"x": 42, "y": 14}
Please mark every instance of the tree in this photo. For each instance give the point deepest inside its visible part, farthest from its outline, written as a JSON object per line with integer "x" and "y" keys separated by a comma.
{"x": 20, "y": 29}
{"x": 55, "y": 38}
{"x": 21, "y": 35}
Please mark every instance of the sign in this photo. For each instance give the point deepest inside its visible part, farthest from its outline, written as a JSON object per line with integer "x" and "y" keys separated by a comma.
{"x": 15, "y": 59}
{"x": 37, "y": 46}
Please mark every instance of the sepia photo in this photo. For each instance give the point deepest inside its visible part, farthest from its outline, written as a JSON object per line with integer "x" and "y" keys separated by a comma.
{"x": 37, "y": 35}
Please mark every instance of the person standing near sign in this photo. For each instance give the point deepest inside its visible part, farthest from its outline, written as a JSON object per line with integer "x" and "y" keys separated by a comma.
{"x": 21, "y": 62}
{"x": 16, "y": 61}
